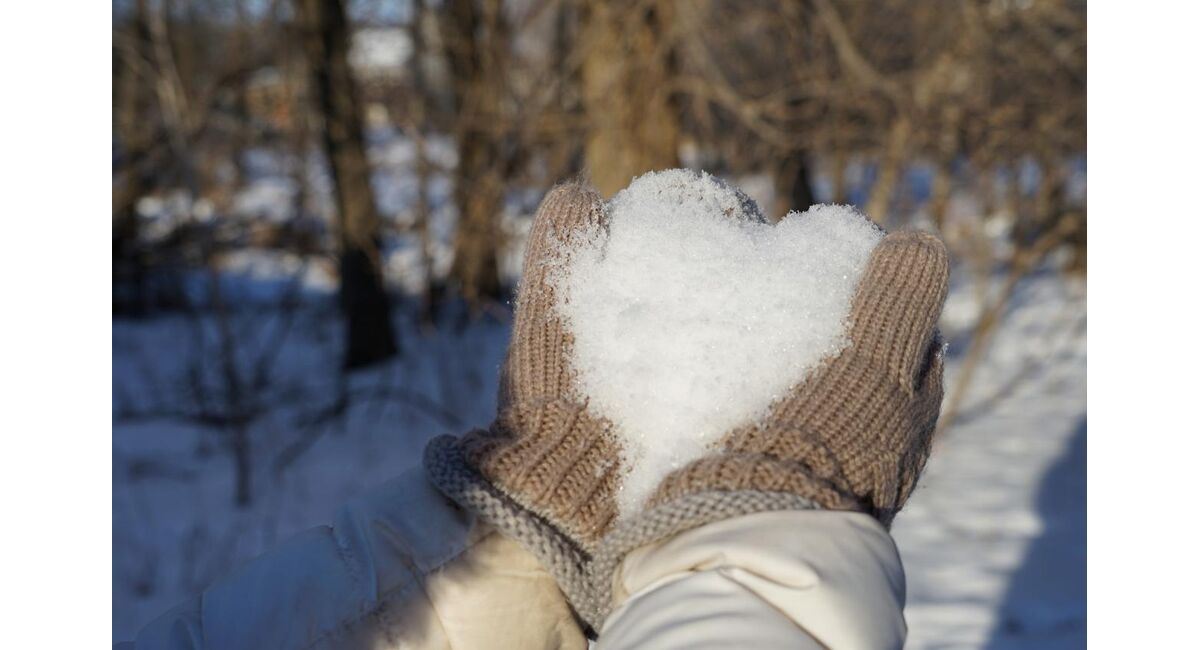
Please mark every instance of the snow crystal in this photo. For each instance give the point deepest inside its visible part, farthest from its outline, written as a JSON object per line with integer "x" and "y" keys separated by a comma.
{"x": 692, "y": 315}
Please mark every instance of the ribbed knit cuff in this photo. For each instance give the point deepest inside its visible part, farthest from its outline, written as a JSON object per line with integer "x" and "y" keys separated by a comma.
{"x": 732, "y": 471}
{"x": 667, "y": 520}
{"x": 554, "y": 459}
{"x": 447, "y": 468}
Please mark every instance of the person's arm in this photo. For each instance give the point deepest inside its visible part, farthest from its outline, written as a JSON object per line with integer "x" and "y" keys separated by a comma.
{"x": 401, "y": 566}
{"x": 788, "y": 579}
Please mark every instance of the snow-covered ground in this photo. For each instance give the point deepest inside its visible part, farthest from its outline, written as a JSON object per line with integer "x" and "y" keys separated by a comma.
{"x": 175, "y": 525}
{"x": 994, "y": 540}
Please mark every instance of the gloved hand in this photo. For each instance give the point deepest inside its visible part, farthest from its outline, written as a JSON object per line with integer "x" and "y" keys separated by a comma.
{"x": 546, "y": 471}
{"x": 853, "y": 436}
{"x": 856, "y": 433}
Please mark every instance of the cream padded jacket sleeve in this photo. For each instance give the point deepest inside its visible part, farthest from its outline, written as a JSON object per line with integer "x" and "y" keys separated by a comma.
{"x": 793, "y": 579}
{"x": 401, "y": 567}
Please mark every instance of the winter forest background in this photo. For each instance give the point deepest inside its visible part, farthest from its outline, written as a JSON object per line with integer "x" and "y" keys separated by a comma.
{"x": 291, "y": 175}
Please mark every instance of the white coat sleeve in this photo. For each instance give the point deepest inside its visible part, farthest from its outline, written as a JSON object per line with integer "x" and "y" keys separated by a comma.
{"x": 401, "y": 567}
{"x": 795, "y": 579}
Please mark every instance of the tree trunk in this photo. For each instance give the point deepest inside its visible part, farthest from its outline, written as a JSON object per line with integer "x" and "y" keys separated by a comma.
{"x": 841, "y": 161}
{"x": 939, "y": 203}
{"x": 479, "y": 196}
{"x": 474, "y": 34}
{"x": 431, "y": 293}
{"x": 627, "y": 69}
{"x": 889, "y": 169}
{"x": 364, "y": 300}
{"x": 793, "y": 185}
{"x": 132, "y": 102}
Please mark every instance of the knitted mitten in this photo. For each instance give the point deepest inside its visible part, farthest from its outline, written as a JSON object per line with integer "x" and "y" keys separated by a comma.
{"x": 545, "y": 473}
{"x": 854, "y": 435}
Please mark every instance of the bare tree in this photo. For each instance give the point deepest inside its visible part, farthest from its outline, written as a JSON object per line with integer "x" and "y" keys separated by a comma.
{"x": 364, "y": 301}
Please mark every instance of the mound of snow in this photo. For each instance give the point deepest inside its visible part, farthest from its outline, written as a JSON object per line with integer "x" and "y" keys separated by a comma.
{"x": 692, "y": 315}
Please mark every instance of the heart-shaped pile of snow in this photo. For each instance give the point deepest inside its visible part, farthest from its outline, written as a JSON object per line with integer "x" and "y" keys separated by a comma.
{"x": 692, "y": 315}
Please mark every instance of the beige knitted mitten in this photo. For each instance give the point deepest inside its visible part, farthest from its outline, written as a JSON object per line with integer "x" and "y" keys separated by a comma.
{"x": 545, "y": 473}
{"x": 854, "y": 435}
